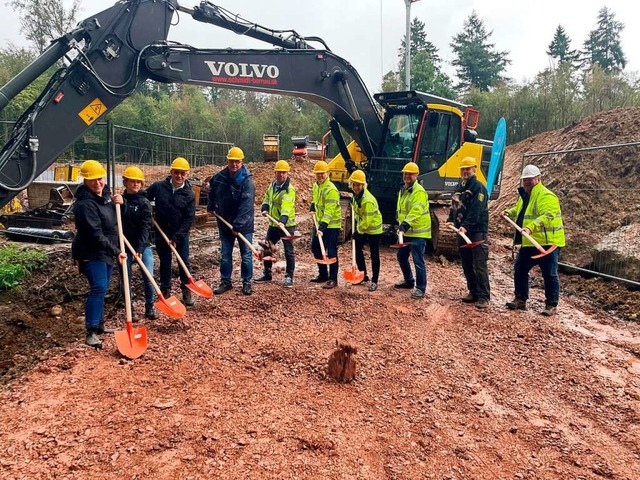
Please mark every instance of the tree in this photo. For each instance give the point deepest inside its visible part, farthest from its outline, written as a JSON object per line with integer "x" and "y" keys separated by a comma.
{"x": 419, "y": 43}
{"x": 427, "y": 77}
{"x": 44, "y": 20}
{"x": 603, "y": 47}
{"x": 478, "y": 64}
{"x": 560, "y": 49}
{"x": 391, "y": 82}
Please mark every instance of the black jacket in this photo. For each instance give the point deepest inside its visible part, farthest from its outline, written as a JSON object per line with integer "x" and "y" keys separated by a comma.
{"x": 472, "y": 213}
{"x": 174, "y": 211}
{"x": 97, "y": 231}
{"x": 136, "y": 220}
{"x": 233, "y": 198}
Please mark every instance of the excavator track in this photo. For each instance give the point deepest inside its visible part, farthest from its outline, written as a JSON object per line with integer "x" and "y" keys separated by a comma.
{"x": 443, "y": 240}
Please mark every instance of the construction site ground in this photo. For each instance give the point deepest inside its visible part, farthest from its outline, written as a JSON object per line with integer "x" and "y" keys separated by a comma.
{"x": 238, "y": 388}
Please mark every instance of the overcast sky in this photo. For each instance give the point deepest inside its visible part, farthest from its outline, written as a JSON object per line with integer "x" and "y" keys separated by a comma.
{"x": 367, "y": 33}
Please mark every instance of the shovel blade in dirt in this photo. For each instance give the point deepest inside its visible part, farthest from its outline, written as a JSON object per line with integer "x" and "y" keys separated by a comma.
{"x": 544, "y": 253}
{"x": 353, "y": 275}
{"x": 199, "y": 287}
{"x": 131, "y": 342}
{"x": 171, "y": 307}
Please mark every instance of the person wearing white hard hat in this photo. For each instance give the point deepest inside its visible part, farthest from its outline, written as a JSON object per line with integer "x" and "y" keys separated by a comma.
{"x": 538, "y": 212}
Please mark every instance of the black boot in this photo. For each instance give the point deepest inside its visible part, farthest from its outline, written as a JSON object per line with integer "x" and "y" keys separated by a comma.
{"x": 223, "y": 287}
{"x": 266, "y": 277}
{"x": 187, "y": 298}
{"x": 150, "y": 312}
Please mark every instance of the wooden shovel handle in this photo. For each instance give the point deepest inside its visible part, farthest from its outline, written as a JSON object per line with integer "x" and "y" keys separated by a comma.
{"x": 315, "y": 222}
{"x": 173, "y": 249}
{"x": 353, "y": 239}
{"x": 284, "y": 230}
{"x": 457, "y": 230}
{"x": 240, "y": 236}
{"x": 125, "y": 272}
{"x": 143, "y": 267}
{"x": 524, "y": 234}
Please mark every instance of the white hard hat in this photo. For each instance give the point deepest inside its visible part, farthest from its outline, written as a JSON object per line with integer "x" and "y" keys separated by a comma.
{"x": 530, "y": 171}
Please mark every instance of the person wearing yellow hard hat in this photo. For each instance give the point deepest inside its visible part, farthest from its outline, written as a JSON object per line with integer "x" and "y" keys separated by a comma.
{"x": 414, "y": 221}
{"x": 538, "y": 212}
{"x": 325, "y": 205}
{"x": 231, "y": 196}
{"x": 368, "y": 227}
{"x": 470, "y": 214}
{"x": 175, "y": 208}
{"x": 137, "y": 223}
{"x": 280, "y": 203}
{"x": 95, "y": 245}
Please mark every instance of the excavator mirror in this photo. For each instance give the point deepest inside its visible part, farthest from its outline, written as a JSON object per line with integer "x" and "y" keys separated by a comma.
{"x": 471, "y": 118}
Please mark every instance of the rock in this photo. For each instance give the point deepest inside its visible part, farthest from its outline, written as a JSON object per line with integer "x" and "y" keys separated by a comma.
{"x": 55, "y": 311}
{"x": 618, "y": 253}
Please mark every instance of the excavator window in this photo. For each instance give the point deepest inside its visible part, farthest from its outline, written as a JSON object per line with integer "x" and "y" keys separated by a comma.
{"x": 440, "y": 140}
{"x": 401, "y": 134}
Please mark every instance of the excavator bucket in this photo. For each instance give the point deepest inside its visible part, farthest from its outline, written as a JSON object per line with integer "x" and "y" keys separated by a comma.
{"x": 131, "y": 342}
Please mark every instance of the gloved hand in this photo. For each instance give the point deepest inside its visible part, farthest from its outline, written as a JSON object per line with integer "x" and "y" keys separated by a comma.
{"x": 404, "y": 227}
{"x": 312, "y": 208}
{"x": 264, "y": 213}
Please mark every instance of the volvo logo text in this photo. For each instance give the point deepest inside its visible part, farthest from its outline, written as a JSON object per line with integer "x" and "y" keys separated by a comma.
{"x": 250, "y": 70}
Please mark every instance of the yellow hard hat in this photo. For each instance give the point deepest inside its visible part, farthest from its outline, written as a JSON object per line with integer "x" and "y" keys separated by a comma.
{"x": 92, "y": 170}
{"x": 321, "y": 167}
{"x": 133, "y": 173}
{"x": 281, "y": 166}
{"x": 235, "y": 153}
{"x": 468, "y": 162}
{"x": 358, "y": 177}
{"x": 411, "y": 168}
{"x": 180, "y": 164}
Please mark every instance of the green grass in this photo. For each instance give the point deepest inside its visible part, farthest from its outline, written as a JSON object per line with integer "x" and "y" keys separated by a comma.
{"x": 16, "y": 263}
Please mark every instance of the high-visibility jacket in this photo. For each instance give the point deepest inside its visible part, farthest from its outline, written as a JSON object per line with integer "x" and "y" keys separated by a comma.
{"x": 367, "y": 214}
{"x": 326, "y": 201}
{"x": 542, "y": 216}
{"x": 280, "y": 202}
{"x": 413, "y": 208}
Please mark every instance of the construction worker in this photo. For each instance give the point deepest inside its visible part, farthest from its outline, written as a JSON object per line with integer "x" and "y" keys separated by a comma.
{"x": 368, "y": 227}
{"x": 280, "y": 203}
{"x": 470, "y": 214}
{"x": 414, "y": 221}
{"x": 231, "y": 195}
{"x": 96, "y": 244}
{"x": 175, "y": 209}
{"x": 326, "y": 207}
{"x": 537, "y": 211}
{"x": 137, "y": 223}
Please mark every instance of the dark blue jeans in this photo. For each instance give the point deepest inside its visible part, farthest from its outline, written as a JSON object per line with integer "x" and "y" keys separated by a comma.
{"x": 147, "y": 259}
{"x": 164, "y": 255}
{"x": 416, "y": 249}
{"x": 98, "y": 274}
{"x": 227, "y": 240}
{"x": 548, "y": 267}
{"x": 274, "y": 234}
{"x": 330, "y": 240}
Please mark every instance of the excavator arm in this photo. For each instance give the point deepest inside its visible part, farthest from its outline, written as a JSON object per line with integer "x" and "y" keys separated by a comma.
{"x": 126, "y": 44}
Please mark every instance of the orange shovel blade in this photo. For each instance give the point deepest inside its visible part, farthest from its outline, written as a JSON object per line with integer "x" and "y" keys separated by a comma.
{"x": 171, "y": 307}
{"x": 353, "y": 275}
{"x": 326, "y": 260}
{"x": 400, "y": 245}
{"x": 472, "y": 244}
{"x": 131, "y": 342}
{"x": 200, "y": 288}
{"x": 545, "y": 252}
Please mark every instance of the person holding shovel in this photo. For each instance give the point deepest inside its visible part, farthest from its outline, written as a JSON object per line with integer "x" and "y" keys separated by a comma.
{"x": 280, "y": 203}
{"x": 95, "y": 244}
{"x": 325, "y": 205}
{"x": 231, "y": 196}
{"x": 175, "y": 209}
{"x": 470, "y": 215}
{"x": 537, "y": 212}
{"x": 136, "y": 225}
{"x": 414, "y": 221}
{"x": 368, "y": 227}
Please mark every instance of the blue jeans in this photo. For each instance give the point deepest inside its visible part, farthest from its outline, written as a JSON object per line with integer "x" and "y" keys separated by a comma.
{"x": 164, "y": 255}
{"x": 548, "y": 267}
{"x": 330, "y": 241}
{"x": 227, "y": 240}
{"x": 147, "y": 259}
{"x": 416, "y": 249}
{"x": 98, "y": 274}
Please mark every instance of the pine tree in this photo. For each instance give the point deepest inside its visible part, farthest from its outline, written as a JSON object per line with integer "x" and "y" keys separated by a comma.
{"x": 560, "y": 49}
{"x": 478, "y": 64}
{"x": 603, "y": 47}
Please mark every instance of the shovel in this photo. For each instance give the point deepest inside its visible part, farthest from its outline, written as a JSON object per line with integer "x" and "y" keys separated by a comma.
{"x": 256, "y": 253}
{"x": 130, "y": 342}
{"x": 199, "y": 287}
{"x": 324, "y": 260}
{"x": 469, "y": 244}
{"x": 542, "y": 251}
{"x": 287, "y": 235}
{"x": 401, "y": 243}
{"x": 353, "y": 275}
{"x": 171, "y": 306}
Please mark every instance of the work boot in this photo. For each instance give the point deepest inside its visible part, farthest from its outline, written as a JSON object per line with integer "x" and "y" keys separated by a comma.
{"x": 517, "y": 304}
{"x": 470, "y": 298}
{"x": 166, "y": 292}
{"x": 405, "y": 284}
{"x": 187, "y": 298}
{"x": 482, "y": 304}
{"x": 549, "y": 310}
{"x": 247, "y": 289}
{"x": 223, "y": 287}
{"x": 288, "y": 282}
{"x": 417, "y": 293}
{"x": 266, "y": 277}
{"x": 330, "y": 284}
{"x": 319, "y": 279}
{"x": 150, "y": 312}
{"x": 373, "y": 287}
{"x": 102, "y": 329}
{"x": 92, "y": 339}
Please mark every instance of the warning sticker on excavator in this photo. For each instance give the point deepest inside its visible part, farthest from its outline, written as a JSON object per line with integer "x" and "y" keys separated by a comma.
{"x": 91, "y": 112}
